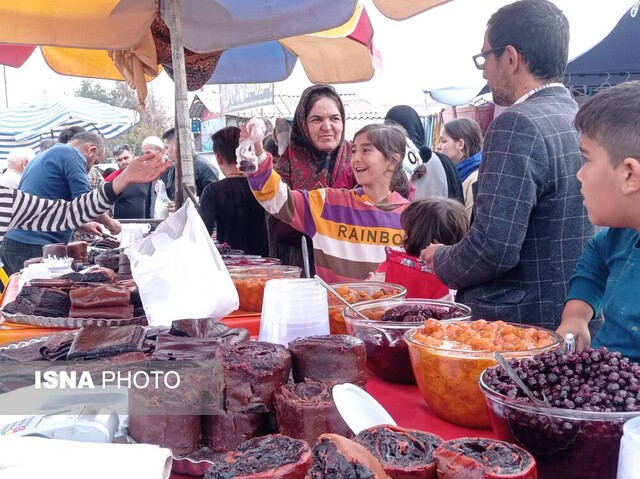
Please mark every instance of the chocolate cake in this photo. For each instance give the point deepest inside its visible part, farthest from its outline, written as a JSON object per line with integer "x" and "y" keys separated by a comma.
{"x": 268, "y": 457}
{"x": 335, "y": 359}
{"x": 337, "y": 457}
{"x": 33, "y": 300}
{"x": 225, "y": 432}
{"x": 306, "y": 410}
{"x": 95, "y": 342}
{"x": 403, "y": 453}
{"x": 253, "y": 372}
{"x": 481, "y": 457}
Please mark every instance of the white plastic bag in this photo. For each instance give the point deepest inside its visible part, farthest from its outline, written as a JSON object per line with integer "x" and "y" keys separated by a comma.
{"x": 180, "y": 273}
{"x": 160, "y": 209}
{"x": 246, "y": 158}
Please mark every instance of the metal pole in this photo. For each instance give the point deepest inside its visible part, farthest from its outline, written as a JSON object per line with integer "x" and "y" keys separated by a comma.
{"x": 6, "y": 95}
{"x": 184, "y": 164}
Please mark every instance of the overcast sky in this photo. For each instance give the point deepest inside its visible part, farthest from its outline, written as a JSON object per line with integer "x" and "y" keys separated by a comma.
{"x": 429, "y": 51}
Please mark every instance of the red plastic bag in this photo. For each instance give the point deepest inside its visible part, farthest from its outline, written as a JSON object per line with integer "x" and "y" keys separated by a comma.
{"x": 413, "y": 274}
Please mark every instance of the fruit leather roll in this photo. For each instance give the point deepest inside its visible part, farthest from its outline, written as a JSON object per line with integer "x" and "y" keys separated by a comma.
{"x": 208, "y": 328}
{"x": 57, "y": 345}
{"x": 403, "y": 453}
{"x": 346, "y": 457}
{"x": 253, "y": 372}
{"x": 103, "y": 312}
{"x": 170, "y": 347}
{"x": 306, "y": 410}
{"x": 99, "y": 296}
{"x": 483, "y": 458}
{"x": 269, "y": 457}
{"x": 334, "y": 358}
{"x": 93, "y": 342}
{"x": 225, "y": 432}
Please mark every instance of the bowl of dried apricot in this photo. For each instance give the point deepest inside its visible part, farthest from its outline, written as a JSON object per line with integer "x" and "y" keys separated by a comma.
{"x": 357, "y": 293}
{"x": 251, "y": 280}
{"x": 448, "y": 357}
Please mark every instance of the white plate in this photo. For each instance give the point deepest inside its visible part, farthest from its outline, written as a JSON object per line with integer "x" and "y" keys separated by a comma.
{"x": 358, "y": 408}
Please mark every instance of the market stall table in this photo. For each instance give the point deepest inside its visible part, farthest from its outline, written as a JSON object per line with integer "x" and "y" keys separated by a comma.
{"x": 403, "y": 402}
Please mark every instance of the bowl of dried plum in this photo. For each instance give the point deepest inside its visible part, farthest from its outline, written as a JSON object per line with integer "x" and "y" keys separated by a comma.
{"x": 592, "y": 393}
{"x": 383, "y": 333}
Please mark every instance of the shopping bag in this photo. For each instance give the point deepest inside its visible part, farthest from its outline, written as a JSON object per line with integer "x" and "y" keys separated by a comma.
{"x": 180, "y": 273}
{"x": 413, "y": 274}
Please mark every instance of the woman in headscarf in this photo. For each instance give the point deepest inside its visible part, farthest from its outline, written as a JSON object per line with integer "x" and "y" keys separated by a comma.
{"x": 317, "y": 156}
{"x": 431, "y": 175}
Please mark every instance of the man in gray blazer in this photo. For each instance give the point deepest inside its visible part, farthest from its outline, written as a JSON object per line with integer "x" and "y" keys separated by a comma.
{"x": 529, "y": 224}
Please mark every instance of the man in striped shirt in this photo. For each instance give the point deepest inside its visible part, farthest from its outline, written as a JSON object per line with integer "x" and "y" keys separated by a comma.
{"x": 19, "y": 210}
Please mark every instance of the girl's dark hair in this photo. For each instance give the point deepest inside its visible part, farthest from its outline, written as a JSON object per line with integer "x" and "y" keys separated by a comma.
{"x": 467, "y": 130}
{"x": 225, "y": 142}
{"x": 443, "y": 220}
{"x": 391, "y": 141}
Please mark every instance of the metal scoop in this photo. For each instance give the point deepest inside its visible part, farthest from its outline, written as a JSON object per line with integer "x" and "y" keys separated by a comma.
{"x": 337, "y": 295}
{"x": 513, "y": 375}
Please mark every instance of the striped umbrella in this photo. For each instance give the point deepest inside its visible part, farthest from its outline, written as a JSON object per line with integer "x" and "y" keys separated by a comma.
{"x": 26, "y": 124}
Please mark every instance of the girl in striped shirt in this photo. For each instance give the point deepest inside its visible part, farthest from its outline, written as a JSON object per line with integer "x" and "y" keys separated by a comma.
{"x": 349, "y": 228}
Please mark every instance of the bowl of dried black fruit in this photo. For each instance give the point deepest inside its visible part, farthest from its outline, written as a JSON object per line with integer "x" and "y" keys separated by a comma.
{"x": 592, "y": 393}
{"x": 383, "y": 332}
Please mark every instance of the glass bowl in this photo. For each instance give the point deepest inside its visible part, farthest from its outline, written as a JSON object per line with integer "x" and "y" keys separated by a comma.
{"x": 567, "y": 443}
{"x": 357, "y": 293}
{"x": 251, "y": 280}
{"x": 387, "y": 352}
{"x": 250, "y": 261}
{"x": 447, "y": 376}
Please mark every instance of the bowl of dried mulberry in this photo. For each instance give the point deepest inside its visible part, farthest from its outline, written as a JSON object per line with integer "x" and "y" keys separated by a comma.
{"x": 591, "y": 393}
{"x": 383, "y": 333}
{"x": 448, "y": 358}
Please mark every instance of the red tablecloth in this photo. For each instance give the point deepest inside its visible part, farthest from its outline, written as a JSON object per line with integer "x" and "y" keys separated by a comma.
{"x": 407, "y": 407}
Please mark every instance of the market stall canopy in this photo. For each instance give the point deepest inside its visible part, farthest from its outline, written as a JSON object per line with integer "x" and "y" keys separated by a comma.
{"x": 403, "y": 9}
{"x": 614, "y": 60}
{"x": 339, "y": 55}
{"x": 86, "y": 38}
{"x": 26, "y": 124}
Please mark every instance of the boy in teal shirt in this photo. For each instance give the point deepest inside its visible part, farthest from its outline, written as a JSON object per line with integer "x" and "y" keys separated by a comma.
{"x": 607, "y": 275}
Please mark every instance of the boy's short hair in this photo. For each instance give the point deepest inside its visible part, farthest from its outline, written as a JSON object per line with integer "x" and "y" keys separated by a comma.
{"x": 443, "y": 220}
{"x": 612, "y": 119}
{"x": 225, "y": 143}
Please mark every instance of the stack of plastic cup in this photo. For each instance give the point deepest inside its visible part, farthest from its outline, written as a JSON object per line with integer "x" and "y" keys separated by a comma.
{"x": 629, "y": 459}
{"x": 293, "y": 308}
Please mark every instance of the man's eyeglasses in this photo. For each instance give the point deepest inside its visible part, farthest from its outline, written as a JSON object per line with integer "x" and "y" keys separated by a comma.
{"x": 481, "y": 57}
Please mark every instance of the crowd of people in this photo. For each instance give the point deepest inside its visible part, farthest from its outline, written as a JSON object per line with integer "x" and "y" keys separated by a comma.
{"x": 504, "y": 221}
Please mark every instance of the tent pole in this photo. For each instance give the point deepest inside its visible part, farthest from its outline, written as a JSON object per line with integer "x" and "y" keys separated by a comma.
{"x": 184, "y": 164}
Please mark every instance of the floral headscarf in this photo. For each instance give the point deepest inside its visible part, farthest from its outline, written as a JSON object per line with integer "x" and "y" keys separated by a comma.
{"x": 302, "y": 165}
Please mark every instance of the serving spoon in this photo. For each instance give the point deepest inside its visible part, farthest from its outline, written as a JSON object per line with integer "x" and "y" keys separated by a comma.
{"x": 513, "y": 375}
{"x": 337, "y": 295}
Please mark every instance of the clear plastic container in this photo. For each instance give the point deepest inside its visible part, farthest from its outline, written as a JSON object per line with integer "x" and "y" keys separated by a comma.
{"x": 387, "y": 352}
{"x": 357, "y": 293}
{"x": 251, "y": 280}
{"x": 448, "y": 378}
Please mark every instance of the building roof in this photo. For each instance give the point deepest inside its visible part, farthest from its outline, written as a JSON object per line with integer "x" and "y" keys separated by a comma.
{"x": 359, "y": 110}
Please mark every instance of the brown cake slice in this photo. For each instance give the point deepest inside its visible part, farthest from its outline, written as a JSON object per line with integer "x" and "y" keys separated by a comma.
{"x": 334, "y": 359}
{"x": 93, "y": 342}
{"x": 306, "y": 410}
{"x": 337, "y": 457}
{"x": 269, "y": 457}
